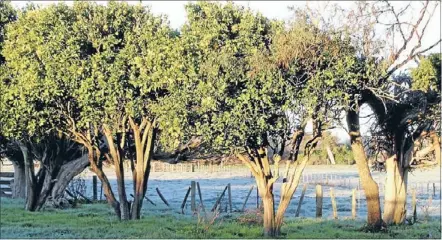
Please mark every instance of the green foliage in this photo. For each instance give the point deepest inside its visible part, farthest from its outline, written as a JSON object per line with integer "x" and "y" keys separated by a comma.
{"x": 7, "y": 15}
{"x": 86, "y": 64}
{"x": 427, "y": 76}
{"x": 97, "y": 221}
{"x": 232, "y": 106}
{"x": 39, "y": 79}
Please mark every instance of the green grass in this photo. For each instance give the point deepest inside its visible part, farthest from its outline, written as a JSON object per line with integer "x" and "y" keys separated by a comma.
{"x": 98, "y": 221}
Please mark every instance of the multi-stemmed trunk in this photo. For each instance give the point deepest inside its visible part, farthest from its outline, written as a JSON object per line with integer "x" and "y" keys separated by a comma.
{"x": 370, "y": 187}
{"x": 116, "y": 157}
{"x": 397, "y": 168}
{"x": 258, "y": 163}
{"x": 288, "y": 189}
{"x": 64, "y": 177}
{"x": 144, "y": 136}
{"x": 395, "y": 192}
{"x": 51, "y": 179}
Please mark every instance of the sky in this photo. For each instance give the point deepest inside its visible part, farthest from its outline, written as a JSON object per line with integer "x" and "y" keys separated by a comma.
{"x": 279, "y": 10}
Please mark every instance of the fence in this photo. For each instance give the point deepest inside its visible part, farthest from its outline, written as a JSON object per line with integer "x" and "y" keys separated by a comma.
{"x": 6, "y": 181}
{"x": 191, "y": 167}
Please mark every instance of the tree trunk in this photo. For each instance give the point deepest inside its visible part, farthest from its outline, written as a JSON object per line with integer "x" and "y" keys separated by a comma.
{"x": 19, "y": 186}
{"x": 371, "y": 189}
{"x": 31, "y": 184}
{"x": 115, "y": 154}
{"x": 436, "y": 143}
{"x": 288, "y": 188}
{"x": 67, "y": 173}
{"x": 269, "y": 212}
{"x": 258, "y": 163}
{"x": 144, "y": 145}
{"x": 396, "y": 186}
{"x": 108, "y": 193}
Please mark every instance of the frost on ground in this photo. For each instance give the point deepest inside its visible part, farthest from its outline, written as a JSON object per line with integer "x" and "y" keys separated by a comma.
{"x": 173, "y": 186}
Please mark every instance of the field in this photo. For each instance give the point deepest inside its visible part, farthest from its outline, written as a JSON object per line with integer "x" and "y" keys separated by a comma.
{"x": 160, "y": 221}
{"x": 343, "y": 178}
{"x": 97, "y": 221}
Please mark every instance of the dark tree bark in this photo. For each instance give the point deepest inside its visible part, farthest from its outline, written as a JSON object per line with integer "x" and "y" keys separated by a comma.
{"x": 65, "y": 176}
{"x": 19, "y": 185}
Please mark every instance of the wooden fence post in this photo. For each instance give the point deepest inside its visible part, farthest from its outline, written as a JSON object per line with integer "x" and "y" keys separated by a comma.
{"x": 353, "y": 204}
{"x": 413, "y": 205}
{"x": 257, "y": 197}
{"x": 230, "y": 197}
{"x": 434, "y": 189}
{"x": 162, "y": 197}
{"x": 247, "y": 198}
{"x": 185, "y": 200}
{"x": 335, "y": 209}
{"x": 101, "y": 190}
{"x": 94, "y": 188}
{"x": 298, "y": 210}
{"x": 201, "y": 197}
{"x": 318, "y": 201}
{"x": 219, "y": 199}
{"x": 192, "y": 196}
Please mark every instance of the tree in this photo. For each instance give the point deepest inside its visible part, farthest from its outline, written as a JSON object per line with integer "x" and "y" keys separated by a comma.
{"x": 7, "y": 15}
{"x": 379, "y": 58}
{"x": 412, "y": 115}
{"x": 99, "y": 73}
{"x": 251, "y": 80}
{"x": 131, "y": 73}
{"x": 27, "y": 127}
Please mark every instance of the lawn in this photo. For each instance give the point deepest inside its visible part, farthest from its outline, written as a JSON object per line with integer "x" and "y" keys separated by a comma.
{"x": 98, "y": 221}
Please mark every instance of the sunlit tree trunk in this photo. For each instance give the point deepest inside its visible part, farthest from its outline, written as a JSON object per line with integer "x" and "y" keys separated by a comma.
{"x": 371, "y": 189}
{"x": 144, "y": 136}
{"x": 258, "y": 163}
{"x": 436, "y": 144}
{"x": 93, "y": 157}
{"x": 115, "y": 156}
{"x": 397, "y": 168}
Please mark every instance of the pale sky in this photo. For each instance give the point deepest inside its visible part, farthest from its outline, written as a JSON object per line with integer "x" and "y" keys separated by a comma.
{"x": 279, "y": 10}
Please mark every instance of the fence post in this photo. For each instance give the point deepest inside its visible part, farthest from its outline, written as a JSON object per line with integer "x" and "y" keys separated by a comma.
{"x": 230, "y": 197}
{"x": 185, "y": 200}
{"x": 192, "y": 196}
{"x": 101, "y": 190}
{"x": 353, "y": 204}
{"x": 413, "y": 205}
{"x": 162, "y": 197}
{"x": 201, "y": 197}
{"x": 434, "y": 189}
{"x": 335, "y": 209}
{"x": 300, "y": 200}
{"x": 257, "y": 197}
{"x": 94, "y": 188}
{"x": 247, "y": 198}
{"x": 219, "y": 199}
{"x": 318, "y": 201}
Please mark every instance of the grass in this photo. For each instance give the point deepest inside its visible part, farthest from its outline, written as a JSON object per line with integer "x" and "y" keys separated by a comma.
{"x": 98, "y": 221}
